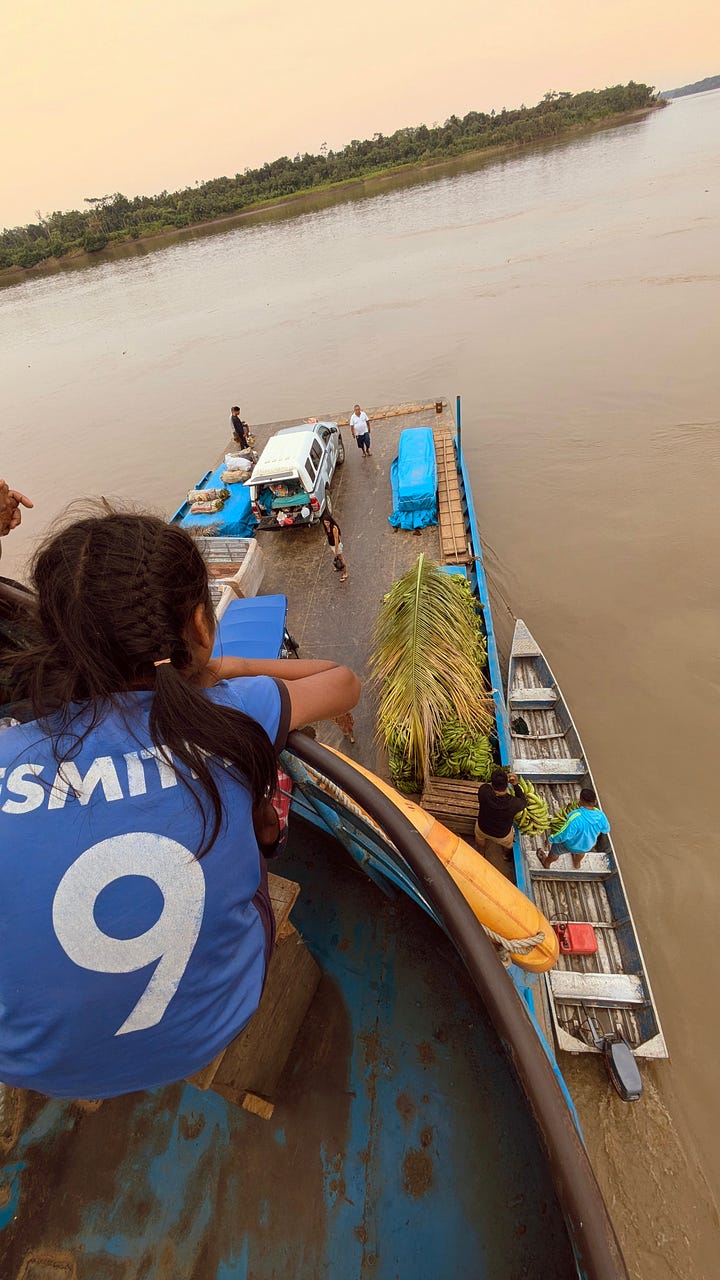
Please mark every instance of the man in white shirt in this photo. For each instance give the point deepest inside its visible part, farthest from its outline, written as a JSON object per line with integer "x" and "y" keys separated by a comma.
{"x": 360, "y": 427}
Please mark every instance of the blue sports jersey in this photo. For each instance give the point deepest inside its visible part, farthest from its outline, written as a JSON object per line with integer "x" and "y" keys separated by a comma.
{"x": 125, "y": 961}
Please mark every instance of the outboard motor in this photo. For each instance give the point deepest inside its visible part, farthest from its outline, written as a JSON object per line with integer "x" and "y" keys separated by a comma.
{"x": 619, "y": 1060}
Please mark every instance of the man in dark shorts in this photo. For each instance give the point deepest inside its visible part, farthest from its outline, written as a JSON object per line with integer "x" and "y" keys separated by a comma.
{"x": 497, "y": 809}
{"x": 241, "y": 429}
{"x": 360, "y": 427}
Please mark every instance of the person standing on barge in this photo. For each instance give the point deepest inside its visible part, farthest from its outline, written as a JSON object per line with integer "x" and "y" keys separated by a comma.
{"x": 360, "y": 427}
{"x": 334, "y": 537}
{"x": 241, "y": 430}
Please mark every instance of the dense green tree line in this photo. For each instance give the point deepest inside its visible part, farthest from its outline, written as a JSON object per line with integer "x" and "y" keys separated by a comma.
{"x": 109, "y": 219}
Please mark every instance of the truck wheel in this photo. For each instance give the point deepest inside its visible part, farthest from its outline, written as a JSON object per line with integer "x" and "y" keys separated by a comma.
{"x": 328, "y": 502}
{"x": 341, "y": 450}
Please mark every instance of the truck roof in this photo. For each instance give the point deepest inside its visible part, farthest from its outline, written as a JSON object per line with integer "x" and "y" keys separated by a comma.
{"x": 285, "y": 452}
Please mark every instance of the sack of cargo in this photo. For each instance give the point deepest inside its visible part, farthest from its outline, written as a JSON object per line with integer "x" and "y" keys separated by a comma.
{"x": 208, "y": 495}
{"x": 234, "y": 477}
{"x": 203, "y": 508}
{"x": 239, "y": 461}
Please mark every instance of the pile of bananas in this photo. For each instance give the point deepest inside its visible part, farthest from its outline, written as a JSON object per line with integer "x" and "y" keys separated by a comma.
{"x": 474, "y": 609}
{"x": 535, "y": 817}
{"x": 401, "y": 767}
{"x": 461, "y": 753}
{"x": 557, "y": 819}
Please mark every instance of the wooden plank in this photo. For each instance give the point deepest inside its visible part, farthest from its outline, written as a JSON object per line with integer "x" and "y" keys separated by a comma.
{"x": 524, "y": 645}
{"x": 459, "y": 790}
{"x": 283, "y": 895}
{"x": 606, "y": 990}
{"x": 258, "y": 1106}
{"x": 453, "y": 801}
{"x": 255, "y": 1060}
{"x": 532, "y": 698}
{"x": 453, "y": 529}
{"x": 594, "y": 866}
{"x": 548, "y": 769}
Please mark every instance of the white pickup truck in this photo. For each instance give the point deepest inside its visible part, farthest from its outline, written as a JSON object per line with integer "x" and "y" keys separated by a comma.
{"x": 291, "y": 481}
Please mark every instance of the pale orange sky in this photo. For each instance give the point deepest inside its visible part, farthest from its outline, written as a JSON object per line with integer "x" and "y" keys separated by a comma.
{"x": 140, "y": 97}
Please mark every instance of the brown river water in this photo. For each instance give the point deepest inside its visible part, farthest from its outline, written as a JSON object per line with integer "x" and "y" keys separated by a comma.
{"x": 571, "y": 294}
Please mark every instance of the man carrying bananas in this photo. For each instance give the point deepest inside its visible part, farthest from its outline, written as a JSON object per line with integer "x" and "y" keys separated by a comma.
{"x": 497, "y": 810}
{"x": 578, "y": 833}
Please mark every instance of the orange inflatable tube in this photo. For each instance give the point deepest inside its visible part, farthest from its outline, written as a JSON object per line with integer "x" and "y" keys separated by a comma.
{"x": 495, "y": 901}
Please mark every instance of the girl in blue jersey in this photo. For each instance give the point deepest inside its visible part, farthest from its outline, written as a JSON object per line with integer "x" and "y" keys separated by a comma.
{"x": 133, "y": 897}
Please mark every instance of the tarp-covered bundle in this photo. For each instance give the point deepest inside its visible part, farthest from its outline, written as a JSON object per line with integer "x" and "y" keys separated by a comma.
{"x": 413, "y": 479}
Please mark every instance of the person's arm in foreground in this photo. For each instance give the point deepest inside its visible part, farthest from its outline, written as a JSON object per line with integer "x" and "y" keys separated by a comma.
{"x": 319, "y": 689}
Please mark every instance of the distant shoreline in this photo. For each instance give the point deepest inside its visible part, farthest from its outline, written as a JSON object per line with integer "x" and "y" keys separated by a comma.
{"x": 80, "y": 259}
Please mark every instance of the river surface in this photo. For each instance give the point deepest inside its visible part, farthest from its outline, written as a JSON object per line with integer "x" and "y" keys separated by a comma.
{"x": 571, "y": 294}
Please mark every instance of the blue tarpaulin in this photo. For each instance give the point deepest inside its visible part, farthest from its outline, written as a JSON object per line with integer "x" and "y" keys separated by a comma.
{"x": 252, "y": 628}
{"x": 236, "y": 518}
{"x": 413, "y": 480}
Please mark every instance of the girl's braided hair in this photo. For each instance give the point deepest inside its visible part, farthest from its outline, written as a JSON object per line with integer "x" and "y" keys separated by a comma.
{"x": 116, "y": 594}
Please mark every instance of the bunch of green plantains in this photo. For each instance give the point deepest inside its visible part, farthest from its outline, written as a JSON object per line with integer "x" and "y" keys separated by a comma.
{"x": 428, "y": 660}
{"x": 535, "y": 817}
{"x": 557, "y": 820}
{"x": 461, "y": 752}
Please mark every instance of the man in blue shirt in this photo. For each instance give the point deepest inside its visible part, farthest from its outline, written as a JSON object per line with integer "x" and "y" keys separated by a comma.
{"x": 579, "y": 832}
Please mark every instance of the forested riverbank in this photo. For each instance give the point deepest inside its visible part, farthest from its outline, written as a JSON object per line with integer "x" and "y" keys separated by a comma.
{"x": 75, "y": 237}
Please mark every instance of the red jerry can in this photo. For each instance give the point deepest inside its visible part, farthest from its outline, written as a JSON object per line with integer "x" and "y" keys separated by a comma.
{"x": 576, "y": 939}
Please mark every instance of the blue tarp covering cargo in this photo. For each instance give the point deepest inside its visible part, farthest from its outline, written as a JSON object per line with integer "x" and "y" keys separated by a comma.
{"x": 236, "y": 518}
{"x": 252, "y": 628}
{"x": 413, "y": 480}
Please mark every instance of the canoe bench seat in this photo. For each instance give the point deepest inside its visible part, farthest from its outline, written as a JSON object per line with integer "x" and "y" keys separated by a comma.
{"x": 532, "y": 699}
{"x": 550, "y": 768}
{"x": 453, "y": 802}
{"x": 595, "y": 865}
{"x": 247, "y": 1071}
{"x": 611, "y": 990}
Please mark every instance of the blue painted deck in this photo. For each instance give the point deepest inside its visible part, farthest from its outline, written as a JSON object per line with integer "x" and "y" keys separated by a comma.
{"x": 400, "y": 1145}
{"x": 236, "y": 518}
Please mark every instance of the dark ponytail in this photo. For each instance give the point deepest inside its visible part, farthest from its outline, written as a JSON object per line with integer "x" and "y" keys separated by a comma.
{"x": 116, "y": 595}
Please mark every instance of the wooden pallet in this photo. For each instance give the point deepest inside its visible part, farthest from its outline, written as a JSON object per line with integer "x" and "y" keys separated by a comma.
{"x": 453, "y": 531}
{"x": 453, "y": 802}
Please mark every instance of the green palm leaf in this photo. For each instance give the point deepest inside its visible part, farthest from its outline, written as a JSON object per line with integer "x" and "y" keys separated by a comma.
{"x": 428, "y": 658}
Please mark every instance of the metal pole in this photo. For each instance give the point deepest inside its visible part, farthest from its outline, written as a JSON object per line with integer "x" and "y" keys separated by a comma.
{"x": 458, "y": 422}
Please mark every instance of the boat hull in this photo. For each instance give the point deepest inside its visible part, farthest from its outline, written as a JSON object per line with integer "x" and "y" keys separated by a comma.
{"x": 608, "y": 989}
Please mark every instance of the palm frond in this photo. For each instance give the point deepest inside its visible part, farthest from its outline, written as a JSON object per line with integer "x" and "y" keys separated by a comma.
{"x": 428, "y": 656}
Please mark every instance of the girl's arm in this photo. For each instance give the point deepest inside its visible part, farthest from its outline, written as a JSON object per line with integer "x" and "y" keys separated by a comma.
{"x": 318, "y": 689}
